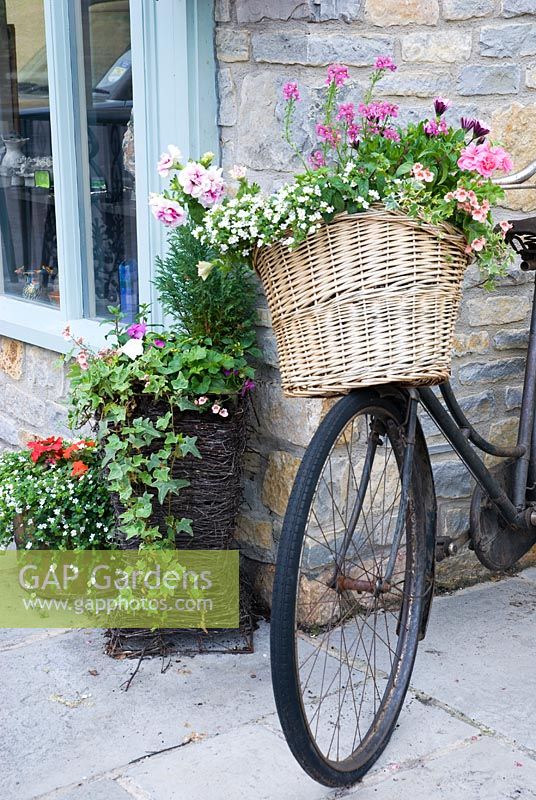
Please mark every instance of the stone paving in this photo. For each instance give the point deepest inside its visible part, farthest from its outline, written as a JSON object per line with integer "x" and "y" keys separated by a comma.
{"x": 207, "y": 727}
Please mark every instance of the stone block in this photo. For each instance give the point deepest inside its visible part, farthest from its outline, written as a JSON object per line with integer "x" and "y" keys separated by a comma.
{"x": 512, "y": 397}
{"x": 452, "y": 479}
{"x": 516, "y": 8}
{"x": 319, "y": 50}
{"x": 9, "y": 432}
{"x": 227, "y": 109}
{"x": 504, "y": 432}
{"x": 515, "y": 128}
{"x": 23, "y": 406}
{"x": 467, "y": 9}
{"x": 343, "y": 10}
{"x": 401, "y": 12}
{"x": 508, "y": 41}
{"x": 511, "y": 340}
{"x": 255, "y": 536}
{"x": 496, "y": 79}
{"x": 222, "y": 11}
{"x": 447, "y": 46}
{"x": 530, "y": 76}
{"x": 491, "y": 371}
{"x": 478, "y": 407}
{"x": 413, "y": 84}
{"x": 259, "y": 144}
{"x": 287, "y": 419}
{"x": 44, "y": 373}
{"x": 497, "y": 310}
{"x": 258, "y": 10}
{"x": 455, "y": 521}
{"x": 264, "y": 320}
{"x": 267, "y": 343}
{"x": 278, "y": 480}
{"x": 232, "y": 45}
{"x": 464, "y": 343}
{"x": 11, "y": 357}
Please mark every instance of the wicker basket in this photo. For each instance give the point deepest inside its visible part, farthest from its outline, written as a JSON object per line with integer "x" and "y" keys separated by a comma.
{"x": 370, "y": 298}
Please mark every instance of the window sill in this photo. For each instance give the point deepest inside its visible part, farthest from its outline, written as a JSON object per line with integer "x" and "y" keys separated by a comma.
{"x": 42, "y": 326}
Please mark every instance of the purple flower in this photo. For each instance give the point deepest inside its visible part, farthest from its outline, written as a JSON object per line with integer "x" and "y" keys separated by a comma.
{"x": 377, "y": 111}
{"x": 248, "y": 386}
{"x": 291, "y": 91}
{"x": 434, "y": 127}
{"x": 385, "y": 62}
{"x": 137, "y": 330}
{"x": 159, "y": 343}
{"x": 479, "y": 130}
{"x": 441, "y": 104}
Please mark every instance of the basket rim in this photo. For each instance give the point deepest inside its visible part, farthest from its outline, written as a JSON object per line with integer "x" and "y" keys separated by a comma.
{"x": 440, "y": 230}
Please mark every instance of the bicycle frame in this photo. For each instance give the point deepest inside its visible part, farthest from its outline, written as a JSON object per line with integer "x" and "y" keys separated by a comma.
{"x": 460, "y": 434}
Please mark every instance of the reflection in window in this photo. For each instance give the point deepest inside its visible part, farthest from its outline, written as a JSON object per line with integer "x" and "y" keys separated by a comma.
{"x": 28, "y": 252}
{"x": 108, "y": 77}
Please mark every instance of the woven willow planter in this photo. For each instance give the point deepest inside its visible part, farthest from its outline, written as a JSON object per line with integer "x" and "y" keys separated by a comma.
{"x": 370, "y": 298}
{"x": 213, "y": 496}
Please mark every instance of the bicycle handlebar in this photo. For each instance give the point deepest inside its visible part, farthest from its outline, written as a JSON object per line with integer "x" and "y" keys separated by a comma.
{"x": 517, "y": 177}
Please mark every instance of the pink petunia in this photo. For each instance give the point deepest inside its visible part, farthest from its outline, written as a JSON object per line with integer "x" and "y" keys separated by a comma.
{"x": 169, "y": 160}
{"x": 159, "y": 343}
{"x": 137, "y": 330}
{"x": 169, "y": 212}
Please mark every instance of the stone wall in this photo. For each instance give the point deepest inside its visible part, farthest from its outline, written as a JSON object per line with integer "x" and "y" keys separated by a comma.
{"x": 33, "y": 392}
{"x": 479, "y": 53}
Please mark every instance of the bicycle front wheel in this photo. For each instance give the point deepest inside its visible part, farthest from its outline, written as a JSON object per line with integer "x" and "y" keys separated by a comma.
{"x": 343, "y": 641}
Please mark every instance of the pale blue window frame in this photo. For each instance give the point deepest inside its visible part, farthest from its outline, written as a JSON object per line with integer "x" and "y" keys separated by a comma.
{"x": 174, "y": 99}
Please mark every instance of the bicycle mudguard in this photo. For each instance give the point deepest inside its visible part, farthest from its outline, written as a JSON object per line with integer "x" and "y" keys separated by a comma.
{"x": 426, "y": 478}
{"x": 427, "y": 481}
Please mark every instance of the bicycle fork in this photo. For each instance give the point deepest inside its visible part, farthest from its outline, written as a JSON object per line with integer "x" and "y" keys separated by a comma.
{"x": 382, "y": 583}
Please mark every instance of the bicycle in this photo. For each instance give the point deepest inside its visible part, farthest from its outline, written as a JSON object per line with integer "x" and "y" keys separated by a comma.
{"x": 354, "y": 576}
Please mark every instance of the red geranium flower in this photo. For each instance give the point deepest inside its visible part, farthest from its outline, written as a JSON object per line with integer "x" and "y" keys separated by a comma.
{"x": 78, "y": 469}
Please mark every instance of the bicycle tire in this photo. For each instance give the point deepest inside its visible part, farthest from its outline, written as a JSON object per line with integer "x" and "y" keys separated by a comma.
{"x": 288, "y": 692}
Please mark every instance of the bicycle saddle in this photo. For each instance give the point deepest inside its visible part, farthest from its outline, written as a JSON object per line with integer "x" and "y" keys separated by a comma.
{"x": 522, "y": 237}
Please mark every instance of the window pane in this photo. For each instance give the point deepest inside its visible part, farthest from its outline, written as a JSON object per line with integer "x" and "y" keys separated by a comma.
{"x": 113, "y": 279}
{"x": 28, "y": 252}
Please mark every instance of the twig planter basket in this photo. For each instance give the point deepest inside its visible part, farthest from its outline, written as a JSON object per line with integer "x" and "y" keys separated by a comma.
{"x": 369, "y": 298}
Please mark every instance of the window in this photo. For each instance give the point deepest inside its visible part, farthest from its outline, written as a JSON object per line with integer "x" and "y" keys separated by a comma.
{"x": 91, "y": 91}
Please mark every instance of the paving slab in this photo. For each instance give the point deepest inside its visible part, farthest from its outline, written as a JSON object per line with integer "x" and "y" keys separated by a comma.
{"x": 53, "y": 708}
{"x": 480, "y": 770}
{"x": 96, "y": 790}
{"x": 479, "y": 653}
{"x": 248, "y": 763}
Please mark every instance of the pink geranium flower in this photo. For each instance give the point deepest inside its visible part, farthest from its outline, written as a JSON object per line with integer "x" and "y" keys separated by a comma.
{"x": 484, "y": 159}
{"x": 169, "y": 212}
{"x": 421, "y": 173}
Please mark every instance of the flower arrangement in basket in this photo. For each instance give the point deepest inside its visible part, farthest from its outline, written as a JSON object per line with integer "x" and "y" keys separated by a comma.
{"x": 362, "y": 255}
{"x": 52, "y": 496}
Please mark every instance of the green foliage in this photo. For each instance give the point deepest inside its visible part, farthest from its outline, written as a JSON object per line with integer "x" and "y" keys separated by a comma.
{"x": 221, "y": 308}
{"x": 57, "y": 510}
